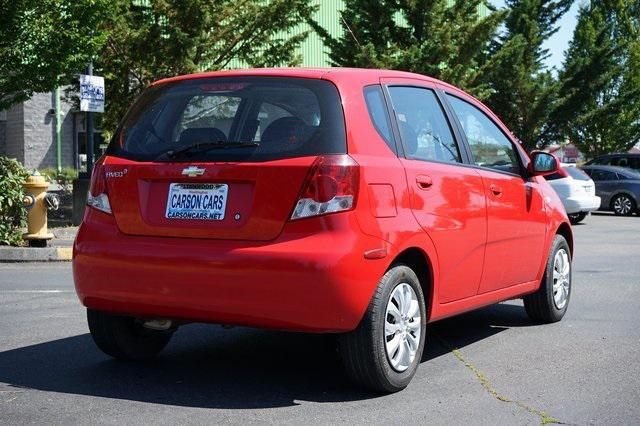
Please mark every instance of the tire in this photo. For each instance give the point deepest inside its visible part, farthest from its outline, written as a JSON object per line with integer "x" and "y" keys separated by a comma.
{"x": 547, "y": 304}
{"x": 576, "y": 218}
{"x": 364, "y": 350}
{"x": 623, "y": 205}
{"x": 123, "y": 337}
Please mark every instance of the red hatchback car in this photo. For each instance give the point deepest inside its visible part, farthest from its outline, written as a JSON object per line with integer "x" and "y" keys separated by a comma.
{"x": 360, "y": 202}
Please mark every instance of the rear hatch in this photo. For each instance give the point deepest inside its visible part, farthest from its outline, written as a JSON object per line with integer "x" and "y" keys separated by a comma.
{"x": 582, "y": 179}
{"x": 220, "y": 157}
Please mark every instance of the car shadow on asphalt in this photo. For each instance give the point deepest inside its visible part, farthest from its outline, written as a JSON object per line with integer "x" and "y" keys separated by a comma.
{"x": 210, "y": 367}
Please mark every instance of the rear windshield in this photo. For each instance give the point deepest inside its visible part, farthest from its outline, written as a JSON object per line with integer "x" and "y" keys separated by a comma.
{"x": 576, "y": 173}
{"x": 270, "y": 117}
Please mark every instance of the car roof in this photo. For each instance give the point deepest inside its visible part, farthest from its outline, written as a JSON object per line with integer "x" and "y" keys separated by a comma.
{"x": 355, "y": 74}
{"x": 615, "y": 169}
{"x": 618, "y": 154}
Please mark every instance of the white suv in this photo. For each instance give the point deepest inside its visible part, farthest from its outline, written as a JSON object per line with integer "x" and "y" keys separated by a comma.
{"x": 576, "y": 190}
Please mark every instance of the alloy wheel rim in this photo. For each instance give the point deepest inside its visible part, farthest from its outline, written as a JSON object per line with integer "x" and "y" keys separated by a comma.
{"x": 561, "y": 278}
{"x": 622, "y": 205}
{"x": 402, "y": 327}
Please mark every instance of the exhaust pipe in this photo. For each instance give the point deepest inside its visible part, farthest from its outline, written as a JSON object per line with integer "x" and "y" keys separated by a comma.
{"x": 158, "y": 324}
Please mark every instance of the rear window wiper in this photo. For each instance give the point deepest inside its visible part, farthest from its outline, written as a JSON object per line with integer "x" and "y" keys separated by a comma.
{"x": 203, "y": 147}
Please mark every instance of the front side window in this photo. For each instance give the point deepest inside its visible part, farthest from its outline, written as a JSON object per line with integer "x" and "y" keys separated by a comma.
{"x": 233, "y": 119}
{"x": 423, "y": 126}
{"x": 490, "y": 147}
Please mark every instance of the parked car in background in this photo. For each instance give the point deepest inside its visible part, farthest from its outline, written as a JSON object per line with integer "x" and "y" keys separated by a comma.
{"x": 617, "y": 187}
{"x": 576, "y": 190}
{"x": 623, "y": 159}
{"x": 365, "y": 203}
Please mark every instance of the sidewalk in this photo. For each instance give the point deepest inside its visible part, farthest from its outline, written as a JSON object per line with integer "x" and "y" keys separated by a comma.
{"x": 59, "y": 248}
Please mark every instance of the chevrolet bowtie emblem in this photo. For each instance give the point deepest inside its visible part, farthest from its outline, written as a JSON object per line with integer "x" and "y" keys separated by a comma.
{"x": 193, "y": 171}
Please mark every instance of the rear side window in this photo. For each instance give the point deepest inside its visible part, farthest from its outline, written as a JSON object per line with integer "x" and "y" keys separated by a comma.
{"x": 280, "y": 117}
{"x": 378, "y": 114}
{"x": 490, "y": 147}
{"x": 600, "y": 175}
{"x": 423, "y": 126}
{"x": 628, "y": 162}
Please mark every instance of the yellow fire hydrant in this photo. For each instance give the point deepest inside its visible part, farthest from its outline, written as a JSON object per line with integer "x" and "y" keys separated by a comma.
{"x": 36, "y": 189}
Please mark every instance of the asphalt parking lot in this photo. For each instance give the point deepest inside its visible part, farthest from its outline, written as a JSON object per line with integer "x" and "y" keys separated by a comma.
{"x": 487, "y": 367}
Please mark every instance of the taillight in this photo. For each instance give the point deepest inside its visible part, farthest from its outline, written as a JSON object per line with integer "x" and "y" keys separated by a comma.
{"x": 331, "y": 186}
{"x": 97, "y": 197}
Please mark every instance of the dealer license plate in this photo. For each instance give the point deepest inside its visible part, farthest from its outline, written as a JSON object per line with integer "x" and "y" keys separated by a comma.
{"x": 203, "y": 201}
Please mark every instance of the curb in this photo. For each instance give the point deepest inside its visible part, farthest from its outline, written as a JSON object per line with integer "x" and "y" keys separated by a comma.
{"x": 33, "y": 254}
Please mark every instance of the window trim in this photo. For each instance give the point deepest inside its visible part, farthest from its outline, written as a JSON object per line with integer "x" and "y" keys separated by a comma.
{"x": 462, "y": 151}
{"x": 523, "y": 174}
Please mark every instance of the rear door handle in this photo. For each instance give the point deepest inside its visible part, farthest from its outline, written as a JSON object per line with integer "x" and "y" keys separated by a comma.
{"x": 424, "y": 181}
{"x": 495, "y": 189}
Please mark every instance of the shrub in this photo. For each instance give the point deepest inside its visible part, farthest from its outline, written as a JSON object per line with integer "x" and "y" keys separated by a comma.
{"x": 12, "y": 211}
{"x": 63, "y": 177}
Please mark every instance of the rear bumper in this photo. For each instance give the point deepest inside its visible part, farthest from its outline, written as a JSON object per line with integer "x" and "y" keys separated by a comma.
{"x": 305, "y": 281}
{"x": 581, "y": 204}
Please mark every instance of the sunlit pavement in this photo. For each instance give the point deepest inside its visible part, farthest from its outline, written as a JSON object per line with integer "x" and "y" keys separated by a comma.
{"x": 488, "y": 367}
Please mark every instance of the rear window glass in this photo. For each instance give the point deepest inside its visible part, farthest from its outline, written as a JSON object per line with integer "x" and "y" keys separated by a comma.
{"x": 576, "y": 173}
{"x": 378, "y": 114}
{"x": 274, "y": 117}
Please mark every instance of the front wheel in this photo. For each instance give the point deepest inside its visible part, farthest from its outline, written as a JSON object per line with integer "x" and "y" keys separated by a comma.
{"x": 124, "y": 337}
{"x": 623, "y": 205}
{"x": 384, "y": 351}
{"x": 549, "y": 303}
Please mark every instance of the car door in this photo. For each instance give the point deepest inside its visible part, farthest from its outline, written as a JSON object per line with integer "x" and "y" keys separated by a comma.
{"x": 446, "y": 196}
{"x": 516, "y": 217}
{"x": 606, "y": 183}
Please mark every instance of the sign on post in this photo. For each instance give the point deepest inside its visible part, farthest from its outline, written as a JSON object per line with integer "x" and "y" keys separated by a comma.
{"x": 91, "y": 93}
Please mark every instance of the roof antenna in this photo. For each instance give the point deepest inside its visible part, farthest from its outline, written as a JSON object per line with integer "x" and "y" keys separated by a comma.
{"x": 351, "y": 32}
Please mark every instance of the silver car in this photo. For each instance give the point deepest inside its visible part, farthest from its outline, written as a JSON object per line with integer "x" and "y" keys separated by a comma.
{"x": 617, "y": 187}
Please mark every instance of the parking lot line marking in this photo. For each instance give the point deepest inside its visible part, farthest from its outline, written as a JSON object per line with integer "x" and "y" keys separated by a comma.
{"x": 36, "y": 291}
{"x": 484, "y": 381}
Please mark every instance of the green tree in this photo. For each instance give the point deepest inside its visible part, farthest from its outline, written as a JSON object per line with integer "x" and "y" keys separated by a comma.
{"x": 153, "y": 39}
{"x": 599, "y": 109}
{"x": 524, "y": 91}
{"x": 440, "y": 38}
{"x": 44, "y": 42}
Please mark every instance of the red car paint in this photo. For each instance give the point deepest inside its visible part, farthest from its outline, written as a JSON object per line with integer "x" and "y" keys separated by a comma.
{"x": 482, "y": 236}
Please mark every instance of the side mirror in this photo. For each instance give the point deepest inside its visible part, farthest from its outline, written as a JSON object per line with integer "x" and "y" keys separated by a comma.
{"x": 543, "y": 163}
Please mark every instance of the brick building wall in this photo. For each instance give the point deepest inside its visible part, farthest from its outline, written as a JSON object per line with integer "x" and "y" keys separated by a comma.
{"x": 14, "y": 133}
{"x": 30, "y": 132}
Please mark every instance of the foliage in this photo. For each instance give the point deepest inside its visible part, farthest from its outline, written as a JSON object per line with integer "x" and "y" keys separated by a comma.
{"x": 153, "y": 39}
{"x": 63, "y": 177}
{"x": 599, "y": 109}
{"x": 431, "y": 37}
{"x": 524, "y": 91}
{"x": 43, "y": 43}
{"x": 12, "y": 211}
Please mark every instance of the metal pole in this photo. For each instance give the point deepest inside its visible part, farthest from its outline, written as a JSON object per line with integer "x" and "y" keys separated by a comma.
{"x": 89, "y": 132}
{"x": 58, "y": 130}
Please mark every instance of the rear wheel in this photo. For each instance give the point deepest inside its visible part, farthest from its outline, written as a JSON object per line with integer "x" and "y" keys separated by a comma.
{"x": 623, "y": 205}
{"x": 549, "y": 303}
{"x": 124, "y": 337}
{"x": 577, "y": 217}
{"x": 383, "y": 353}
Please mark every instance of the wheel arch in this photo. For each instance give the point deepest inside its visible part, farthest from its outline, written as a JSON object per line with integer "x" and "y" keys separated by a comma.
{"x": 419, "y": 262}
{"x": 565, "y": 230}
